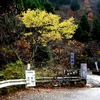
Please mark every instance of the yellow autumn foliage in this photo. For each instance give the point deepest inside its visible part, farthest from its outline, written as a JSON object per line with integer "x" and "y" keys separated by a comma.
{"x": 48, "y": 25}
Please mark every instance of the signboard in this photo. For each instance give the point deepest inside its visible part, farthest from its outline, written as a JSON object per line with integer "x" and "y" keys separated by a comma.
{"x": 30, "y": 78}
{"x": 83, "y": 72}
{"x": 72, "y": 58}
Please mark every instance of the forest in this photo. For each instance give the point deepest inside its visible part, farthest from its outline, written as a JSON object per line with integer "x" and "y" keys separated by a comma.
{"x": 44, "y": 33}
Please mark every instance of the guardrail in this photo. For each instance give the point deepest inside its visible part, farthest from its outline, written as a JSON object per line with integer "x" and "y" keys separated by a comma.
{"x": 24, "y": 81}
{"x": 12, "y": 82}
{"x": 31, "y": 81}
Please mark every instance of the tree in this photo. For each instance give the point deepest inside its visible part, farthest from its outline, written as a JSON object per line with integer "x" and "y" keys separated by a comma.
{"x": 10, "y": 32}
{"x": 27, "y": 36}
{"x": 60, "y": 2}
{"x": 44, "y": 28}
{"x": 48, "y": 7}
{"x": 19, "y": 4}
{"x": 5, "y": 6}
{"x": 83, "y": 31}
{"x": 57, "y": 6}
{"x": 74, "y": 5}
{"x": 78, "y": 34}
{"x": 84, "y": 24}
{"x": 95, "y": 33}
{"x": 40, "y": 4}
{"x": 67, "y": 2}
{"x": 98, "y": 6}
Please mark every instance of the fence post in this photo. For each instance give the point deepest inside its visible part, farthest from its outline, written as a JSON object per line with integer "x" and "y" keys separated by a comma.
{"x": 83, "y": 72}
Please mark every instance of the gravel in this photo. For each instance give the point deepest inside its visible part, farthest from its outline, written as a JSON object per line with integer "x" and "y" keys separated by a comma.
{"x": 56, "y": 94}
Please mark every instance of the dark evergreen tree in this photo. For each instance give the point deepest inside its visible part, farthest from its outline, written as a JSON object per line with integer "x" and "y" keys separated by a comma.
{"x": 84, "y": 24}
{"x": 63, "y": 2}
{"x": 74, "y": 5}
{"x": 40, "y": 4}
{"x": 95, "y": 33}
{"x": 78, "y": 34}
{"x": 19, "y": 4}
{"x": 31, "y": 4}
{"x": 48, "y": 7}
{"x": 43, "y": 56}
{"x": 98, "y": 6}
{"x": 57, "y": 6}
{"x": 83, "y": 31}
{"x": 68, "y": 2}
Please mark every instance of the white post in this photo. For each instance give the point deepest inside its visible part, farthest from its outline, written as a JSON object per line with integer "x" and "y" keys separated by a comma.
{"x": 28, "y": 66}
{"x": 96, "y": 64}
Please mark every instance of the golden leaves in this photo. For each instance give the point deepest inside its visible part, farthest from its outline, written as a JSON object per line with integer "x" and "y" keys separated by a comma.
{"x": 48, "y": 25}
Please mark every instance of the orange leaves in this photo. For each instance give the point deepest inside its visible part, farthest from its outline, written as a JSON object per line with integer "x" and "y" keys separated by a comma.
{"x": 70, "y": 12}
{"x": 23, "y": 49}
{"x": 90, "y": 16}
{"x": 86, "y": 1}
{"x": 23, "y": 43}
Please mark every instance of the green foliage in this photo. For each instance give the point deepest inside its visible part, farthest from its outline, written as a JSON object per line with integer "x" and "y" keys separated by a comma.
{"x": 95, "y": 33}
{"x": 60, "y": 2}
{"x": 98, "y": 6}
{"x": 82, "y": 33}
{"x": 14, "y": 71}
{"x": 74, "y": 5}
{"x": 47, "y": 71}
{"x": 84, "y": 24}
{"x": 40, "y": 4}
{"x": 48, "y": 7}
{"x": 43, "y": 56}
{"x": 68, "y": 2}
{"x": 78, "y": 34}
{"x": 30, "y": 4}
{"x": 19, "y": 4}
{"x": 57, "y": 6}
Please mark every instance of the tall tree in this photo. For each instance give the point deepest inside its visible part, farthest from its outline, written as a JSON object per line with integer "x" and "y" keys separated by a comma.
{"x": 98, "y": 6}
{"x": 83, "y": 31}
{"x": 78, "y": 34}
{"x": 74, "y": 5}
{"x": 95, "y": 33}
{"x": 48, "y": 7}
{"x": 67, "y": 2}
{"x": 60, "y": 2}
{"x": 84, "y": 23}
{"x": 40, "y": 4}
{"x": 25, "y": 37}
{"x": 44, "y": 28}
{"x": 19, "y": 4}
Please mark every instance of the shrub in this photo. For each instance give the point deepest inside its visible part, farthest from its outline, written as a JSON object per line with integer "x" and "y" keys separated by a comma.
{"x": 12, "y": 71}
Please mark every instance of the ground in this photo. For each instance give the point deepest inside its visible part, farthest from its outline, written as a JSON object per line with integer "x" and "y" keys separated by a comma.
{"x": 89, "y": 92}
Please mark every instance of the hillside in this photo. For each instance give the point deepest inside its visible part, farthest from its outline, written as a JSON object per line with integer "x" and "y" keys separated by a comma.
{"x": 88, "y": 7}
